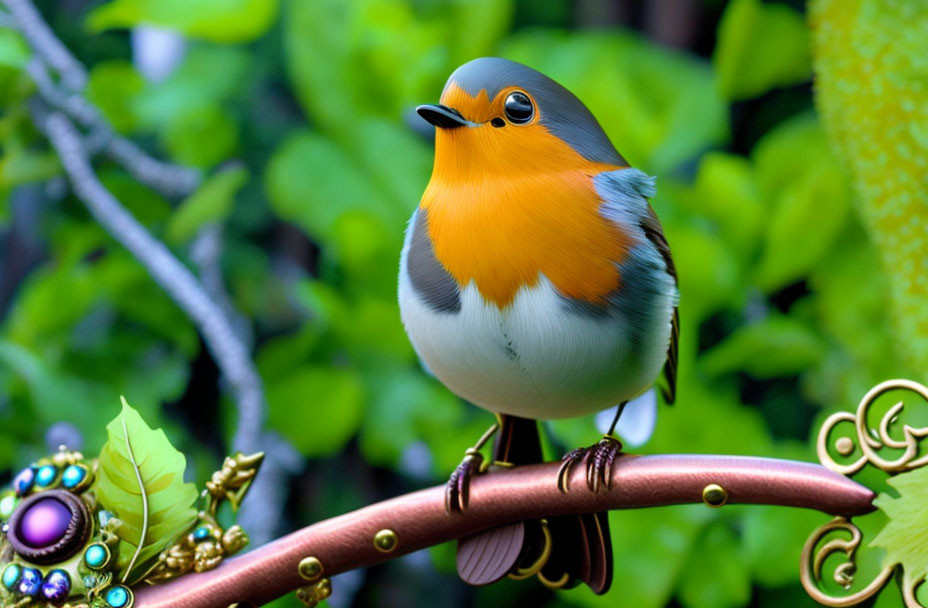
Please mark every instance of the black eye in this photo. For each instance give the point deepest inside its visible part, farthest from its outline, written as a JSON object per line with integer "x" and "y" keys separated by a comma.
{"x": 519, "y": 108}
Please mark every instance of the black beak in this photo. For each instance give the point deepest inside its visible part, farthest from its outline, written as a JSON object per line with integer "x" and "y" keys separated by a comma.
{"x": 441, "y": 116}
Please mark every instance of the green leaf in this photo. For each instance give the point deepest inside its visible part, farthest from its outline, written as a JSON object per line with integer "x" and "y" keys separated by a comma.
{"x": 14, "y": 52}
{"x": 201, "y": 136}
{"x": 212, "y": 202}
{"x": 773, "y": 537}
{"x": 761, "y": 45}
{"x": 147, "y": 205}
{"x": 651, "y": 548}
{"x": 716, "y": 575}
{"x": 25, "y": 166}
{"x": 707, "y": 268}
{"x": 210, "y": 74}
{"x": 777, "y": 346}
{"x": 114, "y": 87}
{"x": 337, "y": 80}
{"x": 317, "y": 408}
{"x": 809, "y": 198}
{"x": 905, "y": 536}
{"x": 475, "y": 27}
{"x": 217, "y": 20}
{"x": 726, "y": 191}
{"x": 311, "y": 181}
{"x": 141, "y": 480}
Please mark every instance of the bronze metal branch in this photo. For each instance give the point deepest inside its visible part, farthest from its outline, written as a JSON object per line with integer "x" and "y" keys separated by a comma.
{"x": 414, "y": 521}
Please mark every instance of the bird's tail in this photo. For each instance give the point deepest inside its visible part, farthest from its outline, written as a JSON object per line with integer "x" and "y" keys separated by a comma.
{"x": 561, "y": 551}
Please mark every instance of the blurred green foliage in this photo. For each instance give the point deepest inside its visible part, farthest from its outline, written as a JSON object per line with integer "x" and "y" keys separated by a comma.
{"x": 301, "y": 113}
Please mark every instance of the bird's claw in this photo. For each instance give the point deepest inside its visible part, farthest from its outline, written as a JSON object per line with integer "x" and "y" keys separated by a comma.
{"x": 599, "y": 460}
{"x": 457, "y": 490}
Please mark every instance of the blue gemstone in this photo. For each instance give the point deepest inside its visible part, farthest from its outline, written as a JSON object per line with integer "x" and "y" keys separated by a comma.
{"x": 73, "y": 476}
{"x": 23, "y": 482}
{"x": 118, "y": 597}
{"x": 201, "y": 533}
{"x": 31, "y": 582}
{"x": 45, "y": 476}
{"x": 11, "y": 575}
{"x": 96, "y": 556}
{"x": 57, "y": 587}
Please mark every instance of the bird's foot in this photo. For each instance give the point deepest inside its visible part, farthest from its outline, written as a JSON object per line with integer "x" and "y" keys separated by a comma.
{"x": 598, "y": 458}
{"x": 457, "y": 490}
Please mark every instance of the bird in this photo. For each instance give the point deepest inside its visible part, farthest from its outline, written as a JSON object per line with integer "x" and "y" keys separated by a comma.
{"x": 536, "y": 282}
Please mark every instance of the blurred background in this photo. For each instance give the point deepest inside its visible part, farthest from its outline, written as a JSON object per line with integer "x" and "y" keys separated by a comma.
{"x": 301, "y": 111}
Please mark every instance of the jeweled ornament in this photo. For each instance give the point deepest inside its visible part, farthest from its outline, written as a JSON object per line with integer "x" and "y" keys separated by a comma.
{"x": 30, "y": 582}
{"x": 73, "y": 516}
{"x": 44, "y": 523}
{"x": 73, "y": 476}
{"x": 96, "y": 556}
{"x": 7, "y": 506}
{"x": 56, "y": 588}
{"x": 24, "y": 481}
{"x": 119, "y": 597}
{"x": 46, "y": 476}
{"x": 11, "y": 575}
{"x": 49, "y": 527}
{"x": 201, "y": 533}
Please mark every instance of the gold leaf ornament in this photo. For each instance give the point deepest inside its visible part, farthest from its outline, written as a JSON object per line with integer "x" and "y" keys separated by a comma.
{"x": 141, "y": 481}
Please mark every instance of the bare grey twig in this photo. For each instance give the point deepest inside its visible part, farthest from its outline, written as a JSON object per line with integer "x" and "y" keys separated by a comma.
{"x": 227, "y": 335}
{"x": 230, "y": 353}
{"x": 168, "y": 179}
{"x": 46, "y": 44}
{"x": 206, "y": 253}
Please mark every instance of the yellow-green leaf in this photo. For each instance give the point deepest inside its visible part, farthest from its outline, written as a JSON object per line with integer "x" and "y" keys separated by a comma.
{"x": 905, "y": 536}
{"x": 212, "y": 202}
{"x": 869, "y": 60}
{"x": 760, "y": 46}
{"x": 225, "y": 21}
{"x": 141, "y": 481}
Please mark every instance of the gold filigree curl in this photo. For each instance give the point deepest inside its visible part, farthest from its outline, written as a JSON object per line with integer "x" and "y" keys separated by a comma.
{"x": 870, "y": 441}
{"x": 813, "y": 560}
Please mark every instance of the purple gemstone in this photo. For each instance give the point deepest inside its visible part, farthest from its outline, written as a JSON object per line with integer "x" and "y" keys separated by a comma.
{"x": 57, "y": 587}
{"x": 22, "y": 483}
{"x": 44, "y": 523}
{"x": 31, "y": 582}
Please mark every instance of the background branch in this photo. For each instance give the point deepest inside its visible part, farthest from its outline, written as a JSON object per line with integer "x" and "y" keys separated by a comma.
{"x": 523, "y": 493}
{"x": 176, "y": 279}
{"x": 61, "y": 104}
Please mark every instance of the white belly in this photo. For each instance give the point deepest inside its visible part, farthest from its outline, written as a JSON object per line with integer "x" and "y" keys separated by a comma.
{"x": 536, "y": 358}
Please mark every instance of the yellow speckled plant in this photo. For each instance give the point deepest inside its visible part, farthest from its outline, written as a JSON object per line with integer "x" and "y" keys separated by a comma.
{"x": 871, "y": 68}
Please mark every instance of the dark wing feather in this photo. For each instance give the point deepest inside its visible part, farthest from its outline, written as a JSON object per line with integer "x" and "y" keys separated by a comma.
{"x": 655, "y": 233}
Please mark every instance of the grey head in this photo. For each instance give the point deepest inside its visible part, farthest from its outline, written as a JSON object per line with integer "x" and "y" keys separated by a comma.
{"x": 560, "y": 111}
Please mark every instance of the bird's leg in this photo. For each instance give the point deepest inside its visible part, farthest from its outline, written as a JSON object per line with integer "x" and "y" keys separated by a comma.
{"x": 458, "y": 488}
{"x": 599, "y": 459}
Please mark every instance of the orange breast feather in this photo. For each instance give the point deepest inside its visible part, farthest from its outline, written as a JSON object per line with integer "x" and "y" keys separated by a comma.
{"x": 507, "y": 205}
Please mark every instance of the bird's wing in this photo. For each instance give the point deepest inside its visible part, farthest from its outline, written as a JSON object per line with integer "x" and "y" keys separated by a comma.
{"x": 655, "y": 233}
{"x": 624, "y": 193}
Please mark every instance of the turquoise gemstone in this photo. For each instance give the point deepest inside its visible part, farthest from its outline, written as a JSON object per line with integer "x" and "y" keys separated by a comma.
{"x": 201, "y": 533}
{"x": 73, "y": 476}
{"x": 118, "y": 597}
{"x": 11, "y": 575}
{"x": 45, "y": 476}
{"x": 96, "y": 556}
